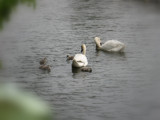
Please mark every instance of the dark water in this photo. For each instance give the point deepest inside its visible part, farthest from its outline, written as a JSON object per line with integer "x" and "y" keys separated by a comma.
{"x": 120, "y": 86}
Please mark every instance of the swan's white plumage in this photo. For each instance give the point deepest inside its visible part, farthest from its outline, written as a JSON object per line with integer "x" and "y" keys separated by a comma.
{"x": 80, "y": 60}
{"x": 113, "y": 46}
{"x": 110, "y": 45}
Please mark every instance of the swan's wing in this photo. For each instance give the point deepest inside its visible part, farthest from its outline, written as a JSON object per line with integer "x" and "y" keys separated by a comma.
{"x": 118, "y": 48}
{"x": 113, "y": 45}
{"x": 81, "y": 59}
{"x": 78, "y": 63}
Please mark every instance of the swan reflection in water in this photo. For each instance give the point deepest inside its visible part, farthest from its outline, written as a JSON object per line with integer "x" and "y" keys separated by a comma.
{"x": 76, "y": 70}
{"x": 80, "y": 73}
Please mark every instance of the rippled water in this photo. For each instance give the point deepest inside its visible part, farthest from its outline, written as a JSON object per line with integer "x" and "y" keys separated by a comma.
{"x": 57, "y": 28}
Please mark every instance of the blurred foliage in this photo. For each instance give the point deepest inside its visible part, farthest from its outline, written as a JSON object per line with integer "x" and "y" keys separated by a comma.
{"x": 0, "y": 64}
{"x": 17, "y": 104}
{"x": 6, "y": 7}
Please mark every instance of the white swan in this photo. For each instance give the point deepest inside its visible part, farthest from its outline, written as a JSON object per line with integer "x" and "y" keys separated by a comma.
{"x": 110, "y": 46}
{"x": 80, "y": 60}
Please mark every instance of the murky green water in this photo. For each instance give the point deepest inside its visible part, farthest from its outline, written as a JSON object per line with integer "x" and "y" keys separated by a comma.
{"x": 119, "y": 86}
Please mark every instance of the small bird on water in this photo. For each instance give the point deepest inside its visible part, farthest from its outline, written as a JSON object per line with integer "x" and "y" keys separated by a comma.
{"x": 86, "y": 69}
{"x": 43, "y": 61}
{"x": 70, "y": 57}
{"x": 45, "y": 67}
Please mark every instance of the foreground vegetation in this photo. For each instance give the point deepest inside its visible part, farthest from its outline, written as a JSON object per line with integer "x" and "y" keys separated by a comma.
{"x": 0, "y": 64}
{"x": 7, "y": 6}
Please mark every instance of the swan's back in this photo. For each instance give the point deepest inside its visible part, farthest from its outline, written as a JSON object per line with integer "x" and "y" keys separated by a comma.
{"x": 80, "y": 60}
{"x": 113, "y": 45}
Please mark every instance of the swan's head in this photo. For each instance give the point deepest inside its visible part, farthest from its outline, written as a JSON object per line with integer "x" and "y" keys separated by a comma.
{"x": 83, "y": 49}
{"x": 98, "y": 42}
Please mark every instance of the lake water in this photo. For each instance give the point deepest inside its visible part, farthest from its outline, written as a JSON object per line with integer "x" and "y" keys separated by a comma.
{"x": 121, "y": 86}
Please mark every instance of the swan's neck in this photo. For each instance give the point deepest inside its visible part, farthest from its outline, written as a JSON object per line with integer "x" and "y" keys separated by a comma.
{"x": 84, "y": 52}
{"x": 98, "y": 45}
{"x": 83, "y": 47}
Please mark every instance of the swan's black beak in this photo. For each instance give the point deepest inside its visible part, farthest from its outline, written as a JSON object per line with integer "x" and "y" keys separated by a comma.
{"x": 81, "y": 50}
